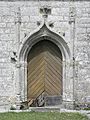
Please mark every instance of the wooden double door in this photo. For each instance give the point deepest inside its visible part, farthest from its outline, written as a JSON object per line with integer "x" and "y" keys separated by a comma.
{"x": 44, "y": 75}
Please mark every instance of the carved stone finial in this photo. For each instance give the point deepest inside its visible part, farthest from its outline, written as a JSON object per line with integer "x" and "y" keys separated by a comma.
{"x": 72, "y": 15}
{"x": 18, "y": 16}
{"x": 51, "y": 24}
{"x": 38, "y": 23}
{"x": 45, "y": 11}
{"x": 13, "y": 57}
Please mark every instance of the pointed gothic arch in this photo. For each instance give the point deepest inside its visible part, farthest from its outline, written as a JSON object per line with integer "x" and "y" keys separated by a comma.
{"x": 44, "y": 32}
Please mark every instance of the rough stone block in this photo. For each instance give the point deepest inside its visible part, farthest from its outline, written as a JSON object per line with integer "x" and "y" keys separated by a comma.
{"x": 25, "y": 19}
{"x": 2, "y": 25}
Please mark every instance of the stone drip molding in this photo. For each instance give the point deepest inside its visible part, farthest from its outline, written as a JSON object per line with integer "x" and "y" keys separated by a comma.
{"x": 43, "y": 31}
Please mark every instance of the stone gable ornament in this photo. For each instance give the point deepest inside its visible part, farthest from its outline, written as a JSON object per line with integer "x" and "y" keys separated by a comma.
{"x": 45, "y": 11}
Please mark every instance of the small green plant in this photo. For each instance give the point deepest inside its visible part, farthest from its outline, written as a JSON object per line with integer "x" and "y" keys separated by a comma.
{"x": 88, "y": 108}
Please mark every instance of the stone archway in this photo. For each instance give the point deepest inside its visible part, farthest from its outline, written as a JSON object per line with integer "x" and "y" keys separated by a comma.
{"x": 44, "y": 75}
{"x": 42, "y": 33}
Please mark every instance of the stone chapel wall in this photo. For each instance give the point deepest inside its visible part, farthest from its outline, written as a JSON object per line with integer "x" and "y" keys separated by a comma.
{"x": 29, "y": 19}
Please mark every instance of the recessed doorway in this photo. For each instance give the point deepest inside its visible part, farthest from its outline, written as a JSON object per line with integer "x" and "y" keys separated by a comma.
{"x": 44, "y": 75}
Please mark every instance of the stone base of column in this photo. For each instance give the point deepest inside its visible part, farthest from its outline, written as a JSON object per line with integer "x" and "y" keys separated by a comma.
{"x": 18, "y": 105}
{"x": 18, "y": 102}
{"x": 70, "y": 105}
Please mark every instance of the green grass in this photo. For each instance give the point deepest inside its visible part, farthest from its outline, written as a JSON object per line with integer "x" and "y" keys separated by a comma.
{"x": 86, "y": 108}
{"x": 42, "y": 116}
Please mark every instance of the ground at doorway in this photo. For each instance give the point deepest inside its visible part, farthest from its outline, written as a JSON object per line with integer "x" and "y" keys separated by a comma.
{"x": 42, "y": 116}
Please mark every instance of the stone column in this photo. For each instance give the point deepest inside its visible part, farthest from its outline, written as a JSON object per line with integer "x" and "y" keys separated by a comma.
{"x": 18, "y": 23}
{"x": 23, "y": 83}
{"x": 64, "y": 83}
{"x": 72, "y": 62}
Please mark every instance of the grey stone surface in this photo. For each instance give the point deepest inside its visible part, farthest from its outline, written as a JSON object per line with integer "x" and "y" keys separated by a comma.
{"x": 72, "y": 24}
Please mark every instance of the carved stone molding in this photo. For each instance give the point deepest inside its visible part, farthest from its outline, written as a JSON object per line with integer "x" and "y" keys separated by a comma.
{"x": 43, "y": 32}
{"x": 18, "y": 16}
{"x": 72, "y": 15}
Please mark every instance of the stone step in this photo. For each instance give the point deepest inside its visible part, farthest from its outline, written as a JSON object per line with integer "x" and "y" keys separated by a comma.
{"x": 46, "y": 109}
